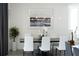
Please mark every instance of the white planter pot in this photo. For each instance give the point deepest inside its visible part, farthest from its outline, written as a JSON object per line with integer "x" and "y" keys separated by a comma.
{"x": 14, "y": 46}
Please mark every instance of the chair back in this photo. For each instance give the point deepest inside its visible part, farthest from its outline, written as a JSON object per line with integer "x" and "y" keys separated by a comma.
{"x": 28, "y": 43}
{"x": 45, "y": 43}
{"x": 62, "y": 41}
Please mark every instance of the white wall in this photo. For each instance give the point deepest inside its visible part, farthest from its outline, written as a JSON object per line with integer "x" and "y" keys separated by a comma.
{"x": 19, "y": 16}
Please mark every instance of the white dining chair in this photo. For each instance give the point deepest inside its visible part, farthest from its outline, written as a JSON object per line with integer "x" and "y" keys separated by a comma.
{"x": 45, "y": 45}
{"x": 28, "y": 44}
{"x": 62, "y": 41}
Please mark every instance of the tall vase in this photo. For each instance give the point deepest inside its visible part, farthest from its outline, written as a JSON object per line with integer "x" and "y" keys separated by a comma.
{"x": 72, "y": 41}
{"x": 14, "y": 46}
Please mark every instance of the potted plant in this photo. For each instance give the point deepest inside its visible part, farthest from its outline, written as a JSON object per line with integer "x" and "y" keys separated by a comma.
{"x": 13, "y": 34}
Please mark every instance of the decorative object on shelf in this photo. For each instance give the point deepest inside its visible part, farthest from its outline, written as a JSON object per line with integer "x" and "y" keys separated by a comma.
{"x": 40, "y": 21}
{"x": 14, "y": 32}
{"x": 71, "y": 41}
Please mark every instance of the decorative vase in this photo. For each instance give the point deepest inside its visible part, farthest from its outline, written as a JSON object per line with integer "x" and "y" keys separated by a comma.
{"x": 14, "y": 46}
{"x": 72, "y": 41}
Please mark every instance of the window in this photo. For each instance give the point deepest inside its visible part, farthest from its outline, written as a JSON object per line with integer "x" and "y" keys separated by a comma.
{"x": 73, "y": 17}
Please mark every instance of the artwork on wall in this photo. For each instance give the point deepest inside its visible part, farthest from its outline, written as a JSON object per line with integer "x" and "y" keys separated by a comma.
{"x": 40, "y": 21}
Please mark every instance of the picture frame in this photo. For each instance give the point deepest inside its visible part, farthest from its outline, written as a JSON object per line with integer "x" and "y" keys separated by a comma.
{"x": 40, "y": 21}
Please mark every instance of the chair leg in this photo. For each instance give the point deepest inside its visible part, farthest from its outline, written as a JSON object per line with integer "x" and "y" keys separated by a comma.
{"x": 33, "y": 53}
{"x": 64, "y": 52}
{"x": 60, "y": 52}
{"x": 40, "y": 52}
{"x": 48, "y": 53}
{"x": 56, "y": 52}
{"x": 23, "y": 53}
